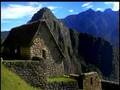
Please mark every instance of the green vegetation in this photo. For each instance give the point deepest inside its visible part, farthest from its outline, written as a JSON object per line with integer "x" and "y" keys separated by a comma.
{"x": 60, "y": 79}
{"x": 11, "y": 81}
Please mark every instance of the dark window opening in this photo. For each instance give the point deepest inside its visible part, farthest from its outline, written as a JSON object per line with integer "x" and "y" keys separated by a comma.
{"x": 44, "y": 54}
{"x": 91, "y": 80}
{"x": 17, "y": 53}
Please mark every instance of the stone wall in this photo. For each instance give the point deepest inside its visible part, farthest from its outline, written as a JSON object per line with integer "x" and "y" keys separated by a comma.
{"x": 44, "y": 42}
{"x": 25, "y": 52}
{"x": 91, "y": 81}
{"x": 62, "y": 86}
{"x": 37, "y": 47}
{"x": 32, "y": 72}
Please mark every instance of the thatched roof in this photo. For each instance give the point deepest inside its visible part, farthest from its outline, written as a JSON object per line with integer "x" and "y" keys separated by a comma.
{"x": 22, "y": 35}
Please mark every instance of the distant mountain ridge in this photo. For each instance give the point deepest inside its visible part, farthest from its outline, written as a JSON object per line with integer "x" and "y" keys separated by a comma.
{"x": 100, "y": 24}
{"x": 4, "y": 34}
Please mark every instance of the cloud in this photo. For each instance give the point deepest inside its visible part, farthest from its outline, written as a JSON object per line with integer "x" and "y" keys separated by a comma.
{"x": 33, "y": 3}
{"x": 14, "y": 11}
{"x": 99, "y": 9}
{"x": 115, "y": 5}
{"x": 90, "y": 6}
{"x": 71, "y": 10}
{"x": 52, "y": 7}
{"x": 86, "y": 4}
{"x": 17, "y": 11}
{"x": 37, "y": 3}
{"x": 53, "y": 12}
{"x": 108, "y": 2}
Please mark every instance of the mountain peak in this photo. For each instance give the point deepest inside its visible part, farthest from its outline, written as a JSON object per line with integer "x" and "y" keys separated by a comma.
{"x": 108, "y": 10}
{"x": 45, "y": 9}
{"x": 43, "y": 13}
{"x": 90, "y": 10}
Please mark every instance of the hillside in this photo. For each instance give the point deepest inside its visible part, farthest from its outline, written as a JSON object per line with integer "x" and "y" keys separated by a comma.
{"x": 11, "y": 81}
{"x": 99, "y": 24}
{"x": 4, "y": 34}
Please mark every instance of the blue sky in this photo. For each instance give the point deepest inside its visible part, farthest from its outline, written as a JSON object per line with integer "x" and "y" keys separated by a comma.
{"x": 17, "y": 13}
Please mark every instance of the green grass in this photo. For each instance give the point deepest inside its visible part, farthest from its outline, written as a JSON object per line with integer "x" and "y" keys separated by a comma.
{"x": 60, "y": 79}
{"x": 11, "y": 81}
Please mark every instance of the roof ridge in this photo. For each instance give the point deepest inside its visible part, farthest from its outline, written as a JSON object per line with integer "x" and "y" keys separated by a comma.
{"x": 44, "y": 20}
{"x": 54, "y": 39}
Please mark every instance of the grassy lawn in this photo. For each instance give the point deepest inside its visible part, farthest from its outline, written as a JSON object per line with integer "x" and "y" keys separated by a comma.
{"x": 11, "y": 81}
{"x": 60, "y": 79}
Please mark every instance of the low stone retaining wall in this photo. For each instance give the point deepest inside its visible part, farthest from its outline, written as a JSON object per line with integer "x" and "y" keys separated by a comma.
{"x": 62, "y": 86}
{"x": 32, "y": 72}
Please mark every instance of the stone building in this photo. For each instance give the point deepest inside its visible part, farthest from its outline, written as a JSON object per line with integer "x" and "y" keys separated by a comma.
{"x": 88, "y": 81}
{"x": 35, "y": 41}
{"x": 91, "y": 81}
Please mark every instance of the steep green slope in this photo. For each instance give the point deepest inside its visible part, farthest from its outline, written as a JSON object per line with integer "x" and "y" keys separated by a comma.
{"x": 11, "y": 81}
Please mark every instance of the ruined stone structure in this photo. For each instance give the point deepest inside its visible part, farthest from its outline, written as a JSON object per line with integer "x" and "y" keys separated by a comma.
{"x": 38, "y": 42}
{"x": 91, "y": 81}
{"x": 88, "y": 81}
{"x": 33, "y": 72}
{"x": 63, "y": 86}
